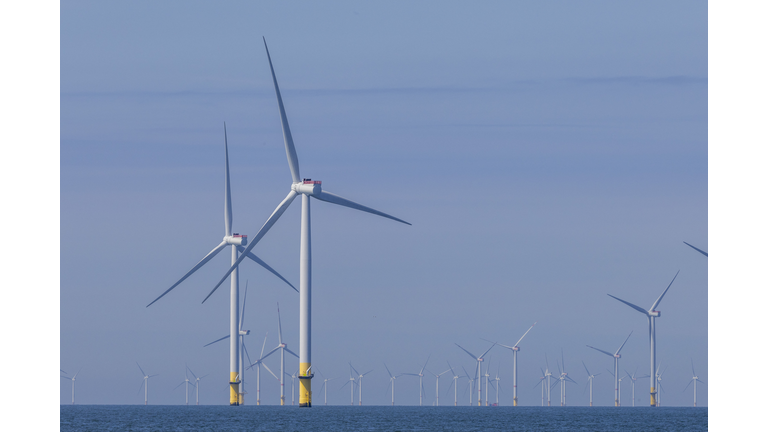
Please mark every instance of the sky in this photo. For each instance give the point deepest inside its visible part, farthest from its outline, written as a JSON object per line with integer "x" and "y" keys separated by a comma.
{"x": 547, "y": 154}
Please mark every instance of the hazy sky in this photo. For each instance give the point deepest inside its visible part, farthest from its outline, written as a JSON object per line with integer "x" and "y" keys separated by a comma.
{"x": 546, "y": 153}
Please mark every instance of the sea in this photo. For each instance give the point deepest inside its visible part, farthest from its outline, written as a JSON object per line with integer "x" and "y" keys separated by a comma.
{"x": 377, "y": 418}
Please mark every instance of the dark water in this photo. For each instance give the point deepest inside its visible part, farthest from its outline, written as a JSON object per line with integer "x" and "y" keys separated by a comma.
{"x": 347, "y": 418}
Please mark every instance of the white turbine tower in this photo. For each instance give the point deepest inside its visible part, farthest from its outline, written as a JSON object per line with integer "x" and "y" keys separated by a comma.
{"x": 548, "y": 374}
{"x": 455, "y": 384}
{"x": 306, "y": 188}
{"x": 616, "y": 356}
{"x": 360, "y": 381}
{"x": 145, "y": 382}
{"x": 259, "y": 363}
{"x": 242, "y": 350}
{"x": 186, "y": 389}
{"x": 479, "y": 360}
{"x": 700, "y": 251}
{"x": 325, "y": 386}
{"x": 73, "y": 383}
{"x": 498, "y": 384}
{"x": 421, "y": 377}
{"x": 437, "y": 385}
{"x": 634, "y": 378}
{"x": 651, "y": 314}
{"x": 487, "y": 381}
{"x": 237, "y": 241}
{"x": 693, "y": 380}
{"x": 197, "y": 385}
{"x": 515, "y": 348}
{"x": 351, "y": 383}
{"x": 590, "y": 377}
{"x": 282, "y": 347}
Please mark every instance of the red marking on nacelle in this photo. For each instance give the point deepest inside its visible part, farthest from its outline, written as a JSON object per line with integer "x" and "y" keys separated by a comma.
{"x": 310, "y": 181}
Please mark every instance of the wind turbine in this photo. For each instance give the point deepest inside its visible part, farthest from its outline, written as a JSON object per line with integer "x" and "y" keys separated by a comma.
{"x": 186, "y": 390}
{"x": 437, "y": 385}
{"x": 693, "y": 380}
{"x": 498, "y": 384}
{"x": 564, "y": 378}
{"x": 479, "y": 360}
{"x": 590, "y": 377}
{"x": 470, "y": 383}
{"x": 392, "y": 379}
{"x": 282, "y": 347}
{"x": 351, "y": 387}
{"x": 455, "y": 384}
{"x": 515, "y": 348}
{"x": 197, "y": 385}
{"x": 658, "y": 379}
{"x": 542, "y": 383}
{"x": 421, "y": 376}
{"x": 651, "y": 314}
{"x": 487, "y": 378}
{"x": 306, "y": 188}
{"x": 145, "y": 382}
{"x": 293, "y": 387}
{"x": 634, "y": 379}
{"x": 73, "y": 383}
{"x": 548, "y": 375}
{"x": 616, "y": 356}
{"x": 237, "y": 241}
{"x": 242, "y": 349}
{"x": 700, "y": 251}
{"x": 325, "y": 386}
{"x": 360, "y": 381}
{"x": 258, "y": 364}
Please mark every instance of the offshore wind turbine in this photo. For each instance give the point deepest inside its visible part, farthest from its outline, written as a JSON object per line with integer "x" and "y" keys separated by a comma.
{"x": 237, "y": 241}
{"x": 634, "y": 378}
{"x": 258, "y": 364}
{"x": 197, "y": 385}
{"x": 145, "y": 382}
{"x": 487, "y": 382}
{"x": 470, "y": 382}
{"x": 564, "y": 378}
{"x": 651, "y": 314}
{"x": 590, "y": 377}
{"x": 479, "y": 360}
{"x": 658, "y": 379}
{"x": 616, "y": 356}
{"x": 360, "y": 381}
{"x": 437, "y": 385}
{"x": 548, "y": 374}
{"x": 392, "y": 379}
{"x": 186, "y": 389}
{"x": 352, "y": 383}
{"x": 515, "y": 348}
{"x": 293, "y": 387}
{"x": 325, "y": 386}
{"x": 421, "y": 376}
{"x": 282, "y": 346}
{"x": 693, "y": 380}
{"x": 498, "y": 384}
{"x": 700, "y": 251}
{"x": 73, "y": 383}
{"x": 455, "y": 384}
{"x": 306, "y": 188}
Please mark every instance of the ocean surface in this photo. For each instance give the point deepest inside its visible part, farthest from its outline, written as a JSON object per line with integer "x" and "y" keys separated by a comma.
{"x": 377, "y": 418}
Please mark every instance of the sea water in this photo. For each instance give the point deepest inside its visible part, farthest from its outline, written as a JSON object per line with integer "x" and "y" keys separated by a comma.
{"x": 377, "y": 418}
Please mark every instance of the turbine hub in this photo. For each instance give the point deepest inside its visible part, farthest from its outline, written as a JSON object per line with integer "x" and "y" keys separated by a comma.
{"x": 245, "y": 332}
{"x": 515, "y": 348}
{"x": 654, "y": 313}
{"x": 617, "y": 355}
{"x": 308, "y": 187}
{"x": 237, "y": 239}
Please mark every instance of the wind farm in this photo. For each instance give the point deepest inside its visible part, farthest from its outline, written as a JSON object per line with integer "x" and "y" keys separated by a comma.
{"x": 487, "y": 224}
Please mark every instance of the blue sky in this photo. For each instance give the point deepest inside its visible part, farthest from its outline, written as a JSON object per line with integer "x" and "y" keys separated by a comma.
{"x": 546, "y": 153}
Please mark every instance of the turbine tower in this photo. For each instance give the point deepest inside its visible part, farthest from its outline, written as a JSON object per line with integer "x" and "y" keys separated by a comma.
{"x": 237, "y": 241}
{"x": 548, "y": 374}
{"x": 197, "y": 385}
{"x": 145, "y": 382}
{"x": 421, "y": 377}
{"x": 616, "y": 356}
{"x": 73, "y": 383}
{"x": 306, "y": 188}
{"x": 651, "y": 314}
{"x": 479, "y": 360}
{"x": 693, "y": 380}
{"x": 515, "y": 348}
{"x": 590, "y": 377}
{"x": 360, "y": 381}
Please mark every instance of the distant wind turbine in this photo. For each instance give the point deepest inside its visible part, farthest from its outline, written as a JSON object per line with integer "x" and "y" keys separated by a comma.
{"x": 616, "y": 356}
{"x": 693, "y": 380}
{"x": 651, "y": 314}
{"x": 392, "y": 379}
{"x": 237, "y": 241}
{"x": 325, "y": 386}
{"x": 421, "y": 376}
{"x": 351, "y": 383}
{"x": 437, "y": 385}
{"x": 307, "y": 188}
{"x": 73, "y": 383}
{"x": 564, "y": 378}
{"x": 259, "y": 363}
{"x": 197, "y": 385}
{"x": 360, "y": 381}
{"x": 470, "y": 383}
{"x": 145, "y": 382}
{"x": 590, "y": 377}
{"x": 515, "y": 348}
{"x": 455, "y": 384}
{"x": 186, "y": 389}
{"x": 282, "y": 347}
{"x": 479, "y": 360}
{"x": 634, "y": 378}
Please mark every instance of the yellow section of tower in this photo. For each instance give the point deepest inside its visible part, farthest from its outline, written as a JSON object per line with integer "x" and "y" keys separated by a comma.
{"x": 305, "y": 386}
{"x": 233, "y": 388}
{"x": 653, "y": 396}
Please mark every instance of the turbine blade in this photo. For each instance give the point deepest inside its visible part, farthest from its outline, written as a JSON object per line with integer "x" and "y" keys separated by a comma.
{"x": 217, "y": 340}
{"x": 202, "y": 262}
{"x": 142, "y": 370}
{"x": 390, "y": 373}
{"x": 353, "y": 368}
{"x": 227, "y": 190}
{"x": 705, "y": 254}
{"x": 179, "y": 385}
{"x": 140, "y": 387}
{"x": 689, "y": 382}
{"x": 263, "y": 345}
{"x": 585, "y": 368}
{"x": 290, "y": 150}
{"x": 470, "y": 354}
{"x": 279, "y": 327}
{"x": 521, "y": 339}
{"x": 692, "y": 370}
{"x": 268, "y": 354}
{"x": 637, "y": 308}
{"x": 261, "y": 262}
{"x": 425, "y": 364}
{"x": 292, "y": 353}
{"x": 190, "y": 371}
{"x": 78, "y": 371}
{"x": 486, "y": 351}
{"x": 656, "y": 303}
{"x": 270, "y": 371}
{"x": 264, "y": 228}
{"x": 246, "y": 354}
{"x": 242, "y": 314}
{"x": 625, "y": 341}
{"x": 335, "y": 199}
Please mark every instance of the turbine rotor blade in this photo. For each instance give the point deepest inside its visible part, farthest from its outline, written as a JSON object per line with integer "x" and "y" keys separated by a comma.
{"x": 705, "y": 254}
{"x": 227, "y": 190}
{"x": 521, "y": 339}
{"x": 291, "y": 352}
{"x": 242, "y": 314}
{"x": 622, "y": 345}
{"x": 142, "y": 370}
{"x": 261, "y": 262}
{"x": 290, "y": 150}
{"x": 201, "y": 263}
{"x": 486, "y": 351}
{"x": 637, "y": 308}
{"x": 470, "y": 354}
{"x": 656, "y": 303}
{"x": 270, "y": 371}
{"x": 335, "y": 199}
{"x": 279, "y": 327}
{"x": 217, "y": 340}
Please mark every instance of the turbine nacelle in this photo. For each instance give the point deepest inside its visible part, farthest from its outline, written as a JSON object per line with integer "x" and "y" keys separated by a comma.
{"x": 308, "y": 187}
{"x": 515, "y": 348}
{"x": 618, "y": 356}
{"x": 654, "y": 313}
{"x": 236, "y": 239}
{"x": 245, "y": 332}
